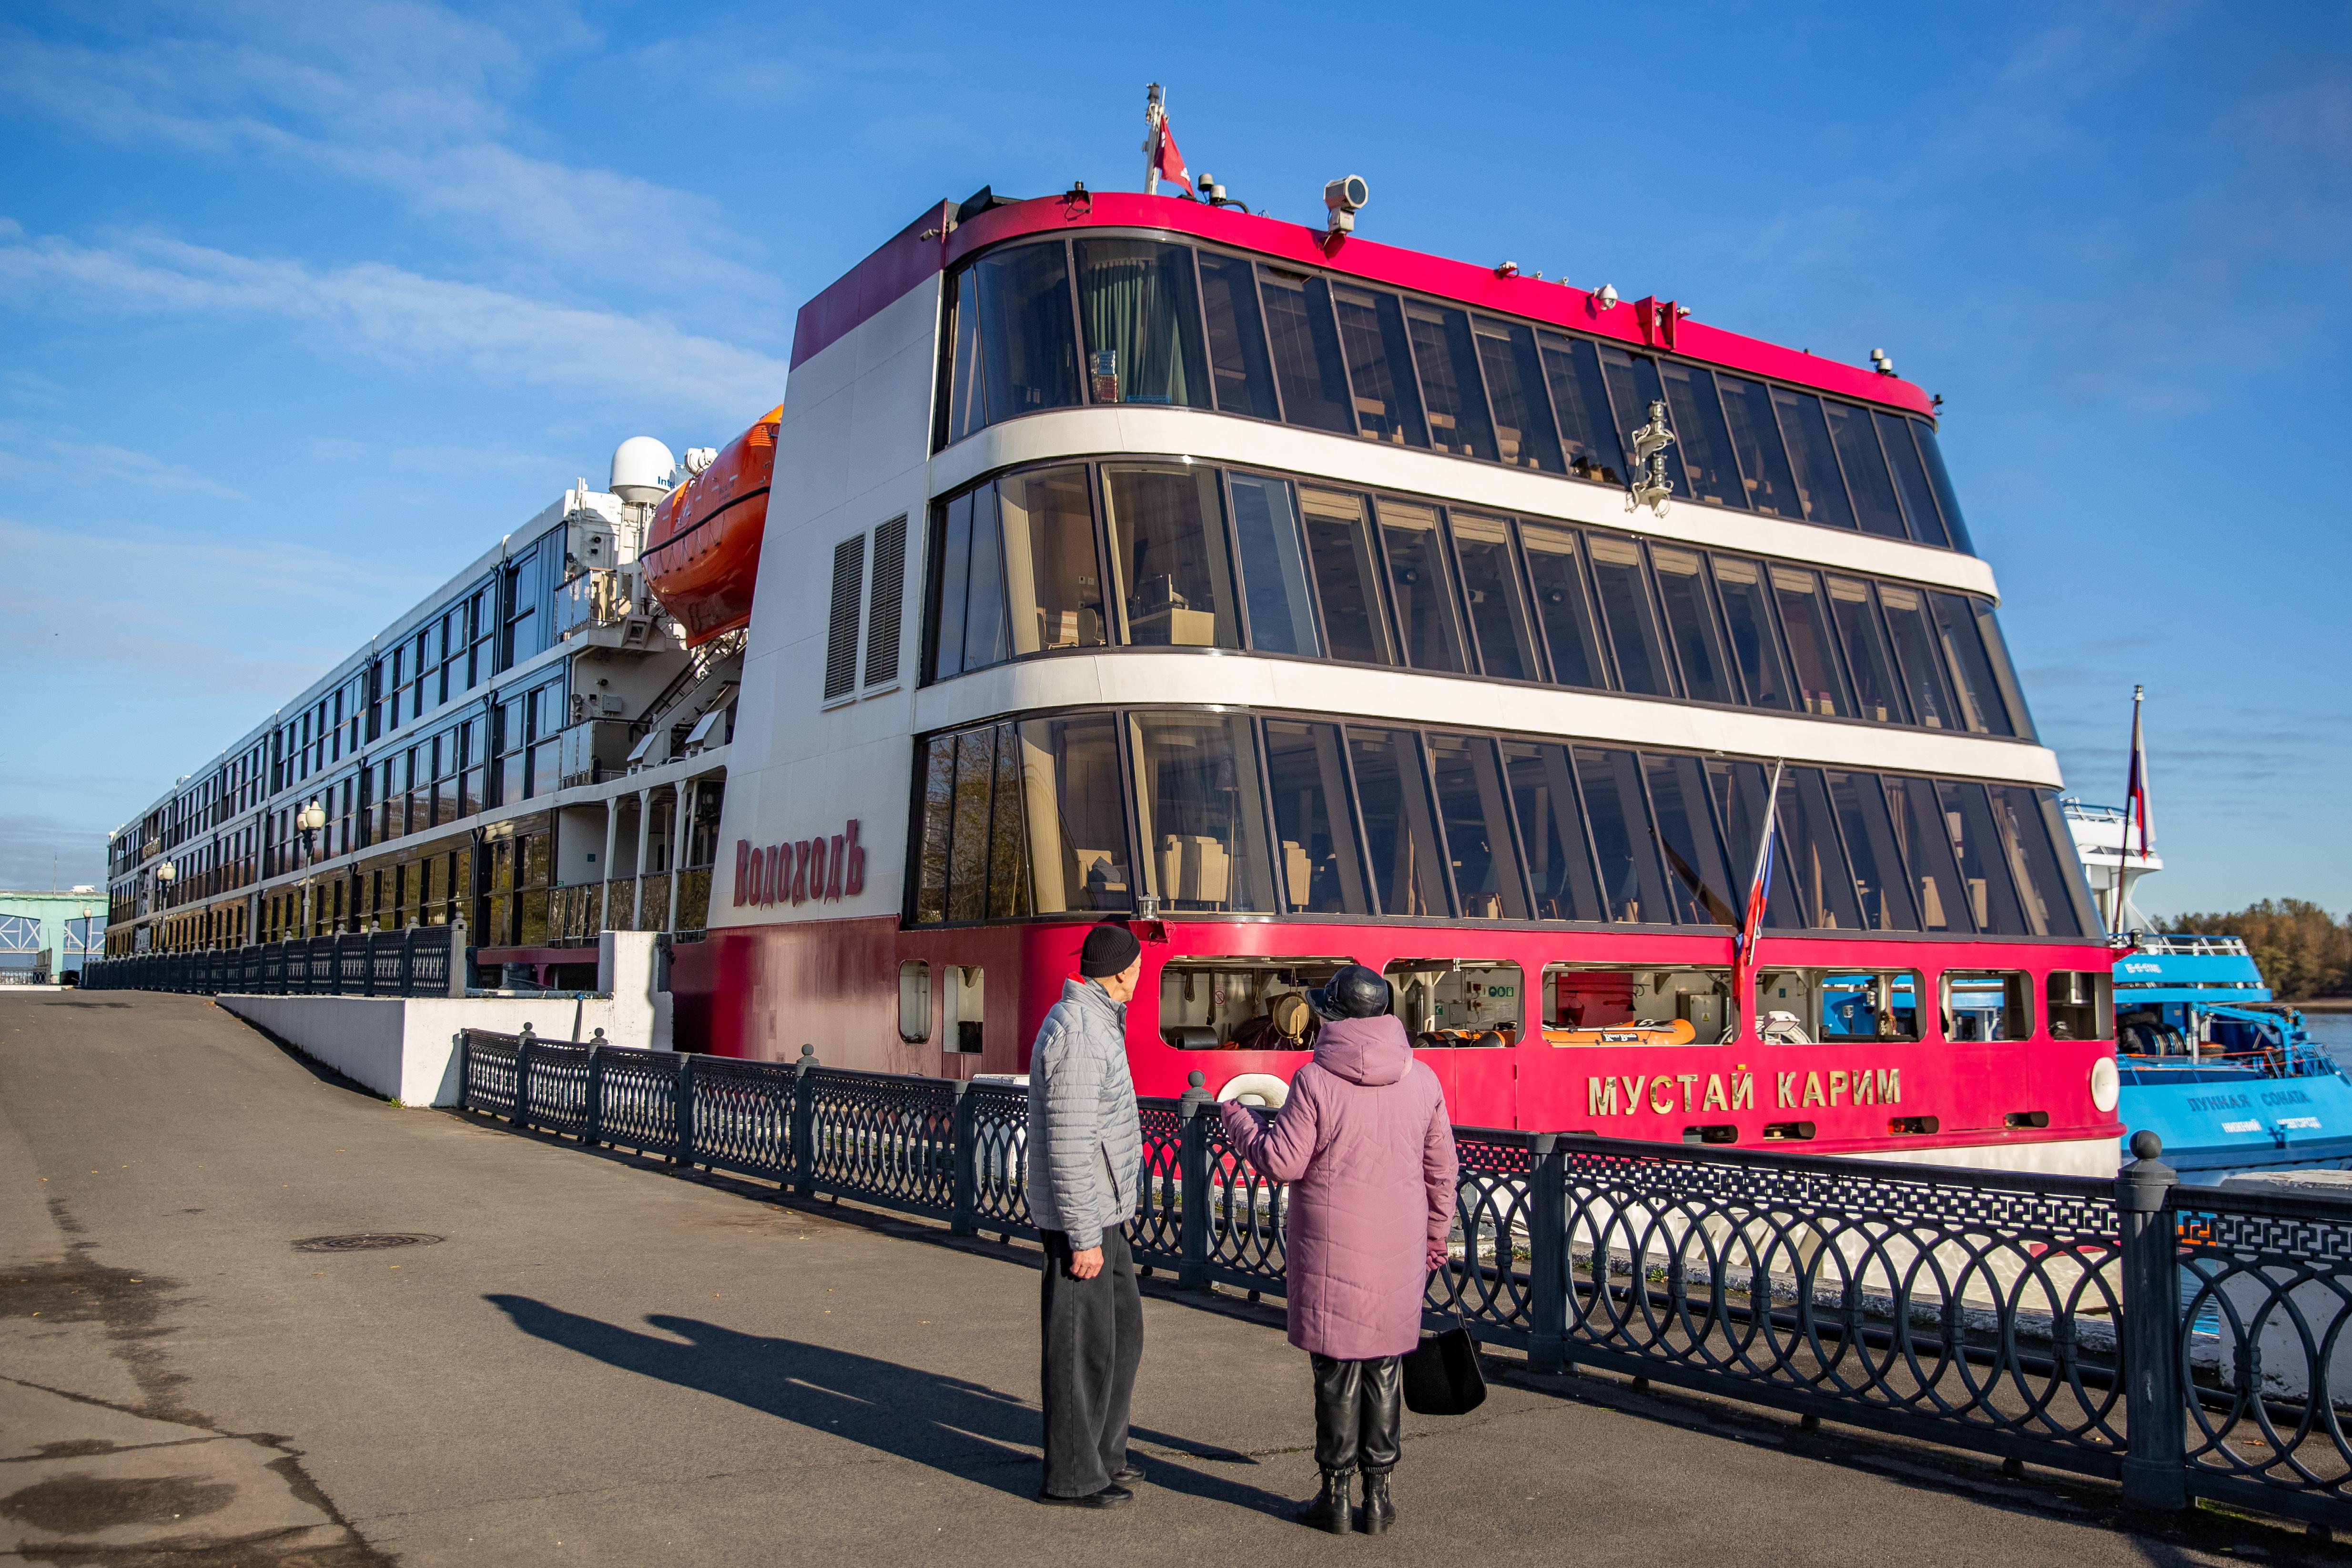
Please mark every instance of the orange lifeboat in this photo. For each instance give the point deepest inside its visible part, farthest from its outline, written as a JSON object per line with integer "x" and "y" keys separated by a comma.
{"x": 702, "y": 554}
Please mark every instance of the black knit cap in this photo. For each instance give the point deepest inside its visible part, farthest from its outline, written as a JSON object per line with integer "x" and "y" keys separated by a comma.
{"x": 1110, "y": 948}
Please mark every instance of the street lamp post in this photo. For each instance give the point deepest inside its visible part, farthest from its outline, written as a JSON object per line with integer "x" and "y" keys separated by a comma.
{"x": 309, "y": 819}
{"x": 164, "y": 875}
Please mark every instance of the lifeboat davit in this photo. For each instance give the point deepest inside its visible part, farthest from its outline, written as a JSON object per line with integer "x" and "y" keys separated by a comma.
{"x": 702, "y": 554}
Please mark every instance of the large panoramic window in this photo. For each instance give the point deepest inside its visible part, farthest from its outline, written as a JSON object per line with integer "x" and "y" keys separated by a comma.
{"x": 1050, "y": 323}
{"x": 1199, "y": 813}
{"x": 1206, "y": 558}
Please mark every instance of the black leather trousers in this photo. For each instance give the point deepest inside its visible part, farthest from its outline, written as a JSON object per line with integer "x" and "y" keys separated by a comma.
{"x": 1359, "y": 1412}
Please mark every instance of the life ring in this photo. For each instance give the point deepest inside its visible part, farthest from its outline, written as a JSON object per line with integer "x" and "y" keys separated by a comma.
{"x": 1255, "y": 1089}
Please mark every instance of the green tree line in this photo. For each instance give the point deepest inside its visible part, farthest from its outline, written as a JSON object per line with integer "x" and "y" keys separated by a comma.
{"x": 2304, "y": 951}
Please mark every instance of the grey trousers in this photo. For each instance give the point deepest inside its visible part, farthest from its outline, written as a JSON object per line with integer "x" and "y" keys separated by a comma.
{"x": 1092, "y": 1341}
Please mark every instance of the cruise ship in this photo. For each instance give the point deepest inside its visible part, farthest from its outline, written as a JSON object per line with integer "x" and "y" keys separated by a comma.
{"x": 1300, "y": 598}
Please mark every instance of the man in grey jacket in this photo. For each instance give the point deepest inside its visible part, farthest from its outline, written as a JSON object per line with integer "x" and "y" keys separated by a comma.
{"x": 1085, "y": 1151}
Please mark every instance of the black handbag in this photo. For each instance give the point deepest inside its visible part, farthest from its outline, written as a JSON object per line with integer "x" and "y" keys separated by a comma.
{"x": 1442, "y": 1376}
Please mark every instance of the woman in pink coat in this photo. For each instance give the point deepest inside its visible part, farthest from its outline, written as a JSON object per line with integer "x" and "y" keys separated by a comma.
{"x": 1364, "y": 1144}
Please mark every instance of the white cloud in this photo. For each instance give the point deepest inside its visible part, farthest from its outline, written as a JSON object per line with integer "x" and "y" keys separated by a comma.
{"x": 60, "y": 457}
{"x": 405, "y": 98}
{"x": 399, "y": 317}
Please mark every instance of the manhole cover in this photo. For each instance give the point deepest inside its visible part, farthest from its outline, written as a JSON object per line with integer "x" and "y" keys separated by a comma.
{"x": 366, "y": 1241}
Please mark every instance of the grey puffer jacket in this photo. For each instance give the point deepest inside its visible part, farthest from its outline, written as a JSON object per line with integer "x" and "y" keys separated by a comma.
{"x": 1085, "y": 1137}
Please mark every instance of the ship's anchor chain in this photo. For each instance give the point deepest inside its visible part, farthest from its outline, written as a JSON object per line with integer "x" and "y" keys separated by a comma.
{"x": 1648, "y": 484}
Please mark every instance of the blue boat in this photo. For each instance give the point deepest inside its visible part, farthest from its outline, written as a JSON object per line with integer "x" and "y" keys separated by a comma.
{"x": 2229, "y": 1078}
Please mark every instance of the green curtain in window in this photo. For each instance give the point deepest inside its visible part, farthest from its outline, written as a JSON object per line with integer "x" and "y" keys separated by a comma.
{"x": 1132, "y": 300}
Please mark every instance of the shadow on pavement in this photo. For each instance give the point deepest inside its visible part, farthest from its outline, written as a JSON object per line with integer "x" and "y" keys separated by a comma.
{"x": 966, "y": 1429}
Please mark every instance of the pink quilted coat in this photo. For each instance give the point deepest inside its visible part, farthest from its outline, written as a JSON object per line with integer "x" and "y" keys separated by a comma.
{"x": 1364, "y": 1144}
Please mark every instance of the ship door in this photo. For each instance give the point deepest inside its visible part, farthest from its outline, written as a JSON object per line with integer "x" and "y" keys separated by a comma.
{"x": 1463, "y": 1016}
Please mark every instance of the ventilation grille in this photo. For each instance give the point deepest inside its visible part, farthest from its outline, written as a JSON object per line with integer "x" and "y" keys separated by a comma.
{"x": 889, "y": 593}
{"x": 841, "y": 632}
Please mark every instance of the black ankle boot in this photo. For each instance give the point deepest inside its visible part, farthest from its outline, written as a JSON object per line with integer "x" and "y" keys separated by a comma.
{"x": 1330, "y": 1509}
{"x": 1379, "y": 1511}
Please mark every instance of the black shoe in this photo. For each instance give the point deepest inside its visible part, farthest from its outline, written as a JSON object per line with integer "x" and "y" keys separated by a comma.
{"x": 1330, "y": 1509}
{"x": 1379, "y": 1511}
{"x": 1112, "y": 1496}
{"x": 1125, "y": 1476}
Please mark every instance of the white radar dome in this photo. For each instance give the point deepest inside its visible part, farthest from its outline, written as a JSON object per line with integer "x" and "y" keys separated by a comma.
{"x": 641, "y": 469}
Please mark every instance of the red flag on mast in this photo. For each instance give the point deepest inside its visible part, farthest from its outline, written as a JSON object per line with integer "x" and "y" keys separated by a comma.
{"x": 2135, "y": 804}
{"x": 1161, "y": 159}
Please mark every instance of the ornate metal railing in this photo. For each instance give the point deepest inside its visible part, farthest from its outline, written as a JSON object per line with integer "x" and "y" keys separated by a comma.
{"x": 417, "y": 961}
{"x": 2183, "y": 1340}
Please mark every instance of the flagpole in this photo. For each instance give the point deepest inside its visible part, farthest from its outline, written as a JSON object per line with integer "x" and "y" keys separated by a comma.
{"x": 1742, "y": 944}
{"x": 2134, "y": 785}
{"x": 1155, "y": 115}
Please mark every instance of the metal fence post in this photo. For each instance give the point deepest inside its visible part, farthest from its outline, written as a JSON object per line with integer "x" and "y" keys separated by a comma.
{"x": 2156, "y": 1417}
{"x": 964, "y": 1186}
{"x": 804, "y": 1124}
{"x": 463, "y": 1041}
{"x": 459, "y": 974}
{"x": 682, "y": 1154}
{"x": 1193, "y": 1186}
{"x": 593, "y": 1127}
{"x": 523, "y": 1042}
{"x": 1547, "y": 1256}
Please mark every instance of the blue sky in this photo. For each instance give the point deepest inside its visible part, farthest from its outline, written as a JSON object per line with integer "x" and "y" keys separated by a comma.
{"x": 302, "y": 307}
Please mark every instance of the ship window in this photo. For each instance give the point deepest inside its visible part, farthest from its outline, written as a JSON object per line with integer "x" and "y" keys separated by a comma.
{"x": 1817, "y": 862}
{"x": 1274, "y": 571}
{"x": 1631, "y": 617}
{"x": 1910, "y": 480}
{"x": 1477, "y": 822}
{"x": 1701, "y": 435}
{"x": 2043, "y": 883}
{"x": 1983, "y": 862}
{"x": 1755, "y": 436}
{"x": 1697, "y": 880}
{"x": 914, "y": 1001}
{"x": 1399, "y": 833}
{"x": 1588, "y": 1005}
{"x": 1201, "y": 812}
{"x": 1138, "y": 300}
{"x": 2081, "y": 1004}
{"x": 1238, "y": 367}
{"x": 1879, "y": 881}
{"x": 1812, "y": 648}
{"x": 1551, "y": 826}
{"x": 1866, "y": 469}
{"x": 1877, "y": 695}
{"x": 1013, "y": 349}
{"x": 1242, "y": 1004}
{"x": 1314, "y": 824}
{"x": 1691, "y": 623}
{"x": 2004, "y": 674}
{"x": 1819, "y": 483}
{"x": 1524, "y": 433}
{"x": 1347, "y": 575}
{"x": 1450, "y": 393}
{"x": 1740, "y": 790}
{"x": 1755, "y": 634}
{"x": 951, "y": 586}
{"x": 1917, "y": 651}
{"x": 1077, "y": 815}
{"x": 1632, "y": 891}
{"x": 1980, "y": 697}
{"x": 1498, "y": 607}
{"x": 1422, "y": 585}
{"x": 1987, "y": 1004}
{"x": 1307, "y": 363}
{"x": 1875, "y": 1004}
{"x": 984, "y": 641}
{"x": 1380, "y": 367}
{"x": 1925, "y": 839}
{"x": 1587, "y": 431}
{"x": 1932, "y": 456}
{"x": 1565, "y": 606}
{"x": 1050, "y": 569}
{"x": 1451, "y": 1003}
{"x": 1168, "y": 556}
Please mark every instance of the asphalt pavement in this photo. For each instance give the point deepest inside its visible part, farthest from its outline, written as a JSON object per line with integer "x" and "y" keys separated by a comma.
{"x": 586, "y": 1358}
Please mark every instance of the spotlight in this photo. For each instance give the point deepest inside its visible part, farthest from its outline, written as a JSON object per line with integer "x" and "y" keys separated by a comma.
{"x": 1345, "y": 198}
